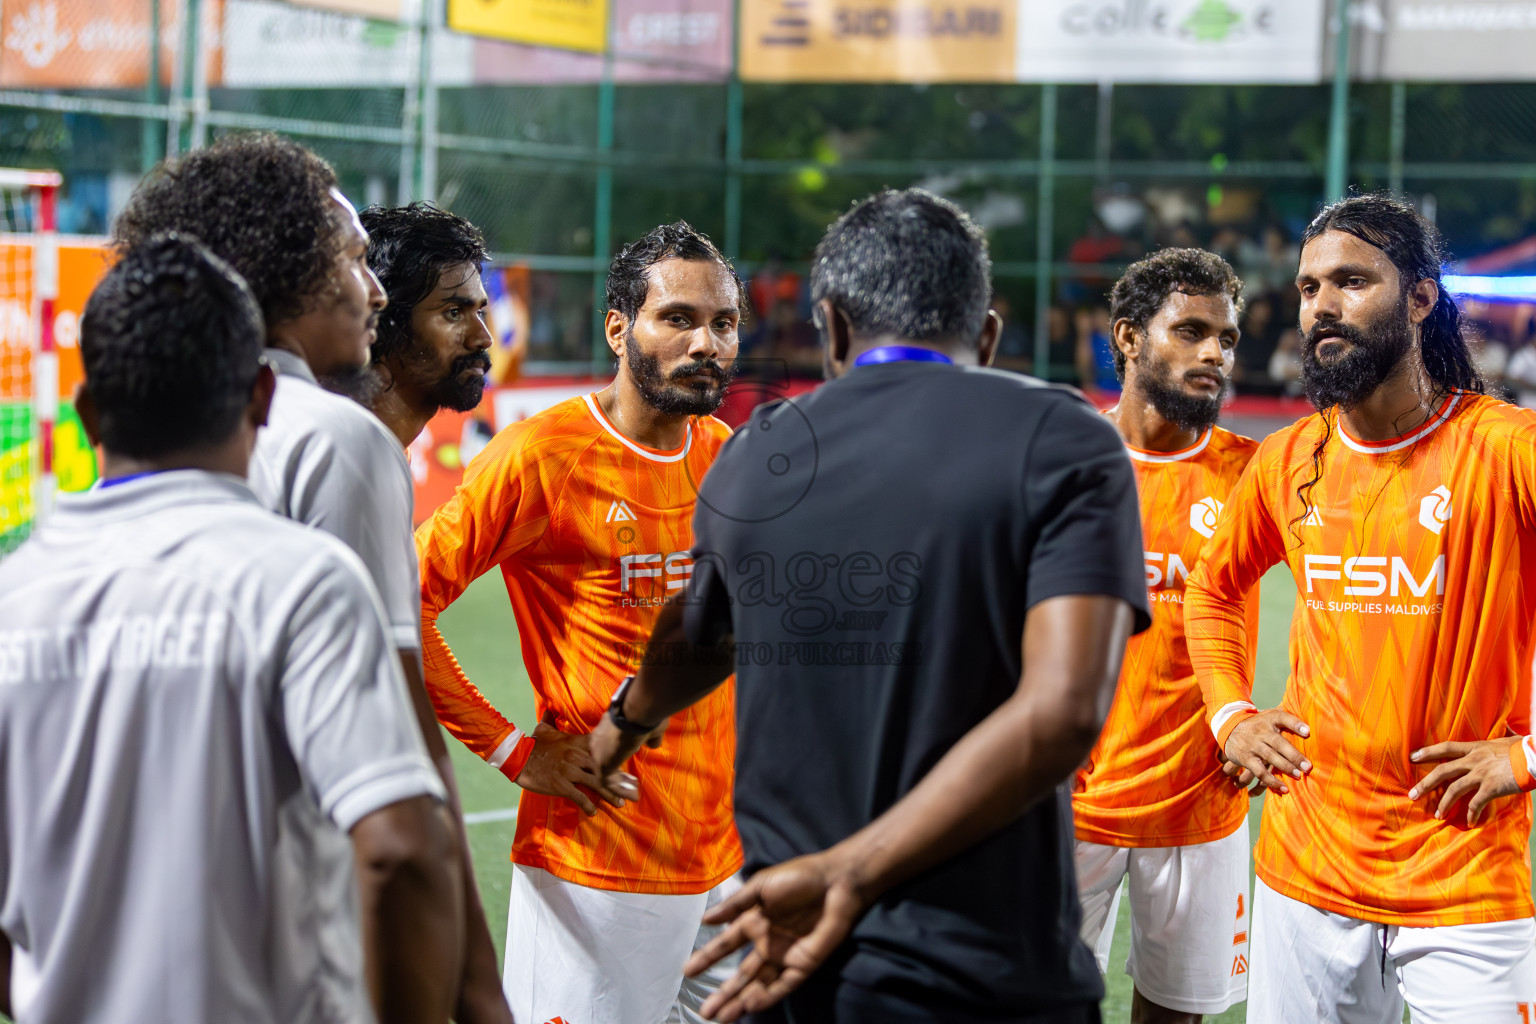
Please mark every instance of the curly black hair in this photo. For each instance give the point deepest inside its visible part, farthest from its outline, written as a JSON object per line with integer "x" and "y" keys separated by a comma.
{"x": 629, "y": 273}
{"x": 171, "y": 341}
{"x": 260, "y": 202}
{"x": 409, "y": 247}
{"x": 1146, "y": 285}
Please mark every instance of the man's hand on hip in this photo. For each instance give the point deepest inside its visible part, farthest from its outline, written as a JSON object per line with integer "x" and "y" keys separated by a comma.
{"x": 1480, "y": 769}
{"x": 1258, "y": 744}
{"x": 562, "y": 765}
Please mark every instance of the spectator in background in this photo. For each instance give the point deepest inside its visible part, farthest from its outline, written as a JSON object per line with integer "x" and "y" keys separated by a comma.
{"x": 1270, "y": 261}
{"x": 1490, "y": 356}
{"x": 1285, "y": 364}
{"x": 792, "y": 339}
{"x": 1062, "y": 349}
{"x": 1014, "y": 351}
{"x": 1097, "y": 245}
{"x": 772, "y": 284}
{"x": 1261, "y": 336}
{"x": 1227, "y": 243}
{"x": 1182, "y": 236}
{"x": 1095, "y": 354}
{"x": 1520, "y": 374}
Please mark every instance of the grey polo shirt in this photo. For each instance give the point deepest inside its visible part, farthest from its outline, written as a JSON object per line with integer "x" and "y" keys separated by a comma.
{"x": 197, "y": 701}
{"x": 325, "y": 461}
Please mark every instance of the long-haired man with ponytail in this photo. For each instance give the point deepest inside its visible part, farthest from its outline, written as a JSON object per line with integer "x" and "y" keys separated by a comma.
{"x": 1406, "y": 511}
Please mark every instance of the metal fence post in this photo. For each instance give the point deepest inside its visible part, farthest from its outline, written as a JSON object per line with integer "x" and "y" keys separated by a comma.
{"x": 1338, "y": 119}
{"x": 733, "y": 126}
{"x": 1044, "y": 226}
{"x": 411, "y": 123}
{"x": 152, "y": 133}
{"x": 1397, "y": 136}
{"x": 602, "y": 213}
{"x": 435, "y": 16}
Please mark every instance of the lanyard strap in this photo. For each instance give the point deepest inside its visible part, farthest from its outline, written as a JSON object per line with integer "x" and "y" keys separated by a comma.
{"x": 125, "y": 479}
{"x": 901, "y": 354}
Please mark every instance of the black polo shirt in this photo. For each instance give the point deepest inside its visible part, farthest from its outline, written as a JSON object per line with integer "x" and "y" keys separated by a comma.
{"x": 874, "y": 547}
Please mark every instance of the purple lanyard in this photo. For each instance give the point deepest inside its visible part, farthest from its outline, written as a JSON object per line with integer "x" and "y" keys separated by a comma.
{"x": 125, "y": 479}
{"x": 901, "y": 354}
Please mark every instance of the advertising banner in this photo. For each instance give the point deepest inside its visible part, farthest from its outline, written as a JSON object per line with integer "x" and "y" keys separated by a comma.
{"x": 95, "y": 44}
{"x": 1445, "y": 40}
{"x": 1240, "y": 41}
{"x": 879, "y": 40}
{"x": 274, "y": 45}
{"x": 568, "y": 24}
{"x": 653, "y": 41}
{"x": 1032, "y": 40}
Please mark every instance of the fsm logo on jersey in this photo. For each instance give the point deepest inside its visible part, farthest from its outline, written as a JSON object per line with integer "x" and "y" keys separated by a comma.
{"x": 1203, "y": 516}
{"x": 1435, "y": 510}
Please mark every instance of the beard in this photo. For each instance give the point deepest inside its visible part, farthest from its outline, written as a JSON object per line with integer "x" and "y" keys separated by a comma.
{"x": 1172, "y": 399}
{"x": 461, "y": 390}
{"x": 362, "y": 385}
{"x": 672, "y": 399}
{"x": 1375, "y": 351}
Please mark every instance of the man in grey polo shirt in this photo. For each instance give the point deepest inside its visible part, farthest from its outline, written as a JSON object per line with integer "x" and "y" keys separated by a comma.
{"x": 271, "y": 208}
{"x": 185, "y": 679}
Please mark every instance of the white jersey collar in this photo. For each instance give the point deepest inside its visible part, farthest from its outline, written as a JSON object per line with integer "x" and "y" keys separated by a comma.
{"x": 640, "y": 449}
{"x": 1141, "y": 455}
{"x": 1399, "y": 443}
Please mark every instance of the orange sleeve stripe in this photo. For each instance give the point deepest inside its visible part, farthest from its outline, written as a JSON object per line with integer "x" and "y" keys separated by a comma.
{"x": 1236, "y": 718}
{"x": 513, "y": 766}
{"x": 1517, "y": 760}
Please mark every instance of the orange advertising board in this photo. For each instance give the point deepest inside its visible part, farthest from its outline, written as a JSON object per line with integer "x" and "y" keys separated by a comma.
{"x": 96, "y": 44}
{"x": 878, "y": 40}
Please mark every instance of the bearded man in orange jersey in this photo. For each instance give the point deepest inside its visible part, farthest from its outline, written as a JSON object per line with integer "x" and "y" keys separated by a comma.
{"x": 1406, "y": 511}
{"x": 1152, "y": 806}
{"x": 587, "y": 510}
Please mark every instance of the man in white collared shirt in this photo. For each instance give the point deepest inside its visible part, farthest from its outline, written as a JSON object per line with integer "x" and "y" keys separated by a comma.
{"x": 324, "y": 460}
{"x": 185, "y": 680}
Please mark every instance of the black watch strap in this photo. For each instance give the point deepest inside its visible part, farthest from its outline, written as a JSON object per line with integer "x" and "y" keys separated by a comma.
{"x": 616, "y": 712}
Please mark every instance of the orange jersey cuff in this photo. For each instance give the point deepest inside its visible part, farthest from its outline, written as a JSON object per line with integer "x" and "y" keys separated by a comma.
{"x": 1519, "y": 761}
{"x": 1235, "y": 714}
{"x": 512, "y": 767}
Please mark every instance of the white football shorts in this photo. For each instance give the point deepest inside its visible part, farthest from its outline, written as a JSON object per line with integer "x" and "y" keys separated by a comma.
{"x": 1189, "y": 918}
{"x": 579, "y": 955}
{"x": 1313, "y": 965}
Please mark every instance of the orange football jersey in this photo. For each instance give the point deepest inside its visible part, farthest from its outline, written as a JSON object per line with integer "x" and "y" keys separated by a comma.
{"x": 1415, "y": 559}
{"x": 592, "y": 533}
{"x": 1153, "y": 778}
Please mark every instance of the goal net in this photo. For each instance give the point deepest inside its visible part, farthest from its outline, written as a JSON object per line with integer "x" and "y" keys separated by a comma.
{"x": 29, "y": 383}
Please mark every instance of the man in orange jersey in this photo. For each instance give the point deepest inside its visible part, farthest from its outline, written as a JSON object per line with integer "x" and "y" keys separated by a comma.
{"x": 587, "y": 508}
{"x": 1152, "y": 806}
{"x": 1406, "y": 511}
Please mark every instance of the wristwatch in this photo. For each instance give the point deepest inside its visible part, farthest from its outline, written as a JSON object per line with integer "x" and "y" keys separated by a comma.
{"x": 616, "y": 712}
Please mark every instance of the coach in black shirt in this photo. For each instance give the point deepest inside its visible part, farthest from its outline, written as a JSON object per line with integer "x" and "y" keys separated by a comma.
{"x": 924, "y": 574}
